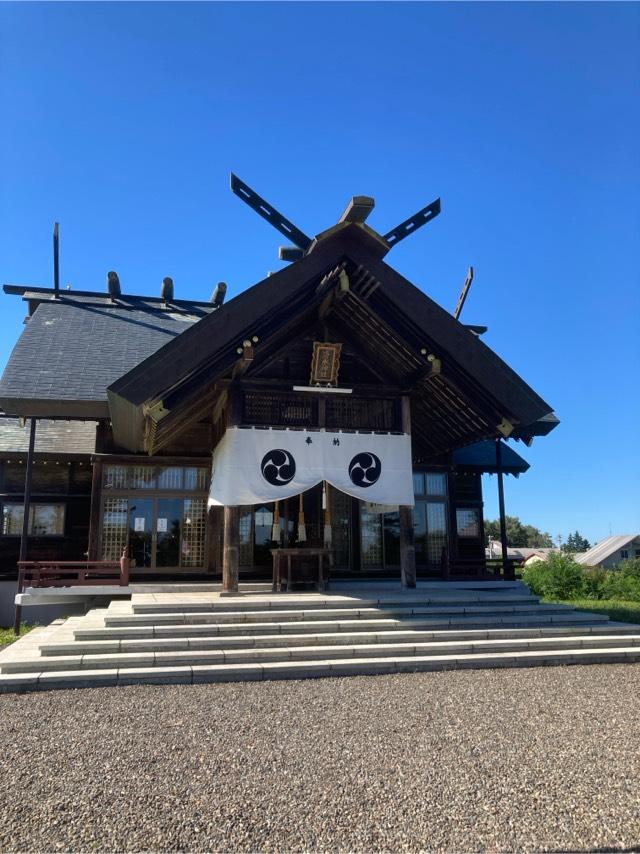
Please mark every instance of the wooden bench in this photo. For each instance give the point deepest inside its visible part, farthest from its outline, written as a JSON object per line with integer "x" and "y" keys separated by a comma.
{"x": 292, "y": 559}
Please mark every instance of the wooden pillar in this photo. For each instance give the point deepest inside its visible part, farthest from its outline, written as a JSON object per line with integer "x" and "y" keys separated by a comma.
{"x": 231, "y": 550}
{"x": 26, "y": 512}
{"x": 503, "y": 520}
{"x": 407, "y": 543}
{"x": 231, "y": 516}
{"x": 94, "y": 517}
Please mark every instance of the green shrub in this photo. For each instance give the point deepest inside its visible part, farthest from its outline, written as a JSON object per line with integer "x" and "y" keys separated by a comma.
{"x": 560, "y": 577}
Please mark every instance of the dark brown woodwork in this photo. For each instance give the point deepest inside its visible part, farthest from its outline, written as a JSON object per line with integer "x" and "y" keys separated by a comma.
{"x": 231, "y": 515}
{"x": 407, "y": 541}
{"x": 94, "y": 513}
{"x": 25, "y": 516}
{"x": 231, "y": 550}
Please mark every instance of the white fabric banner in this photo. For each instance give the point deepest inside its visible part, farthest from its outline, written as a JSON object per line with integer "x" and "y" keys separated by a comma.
{"x": 252, "y": 465}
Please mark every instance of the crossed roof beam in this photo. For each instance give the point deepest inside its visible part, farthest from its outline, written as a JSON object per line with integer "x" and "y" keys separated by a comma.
{"x": 356, "y": 211}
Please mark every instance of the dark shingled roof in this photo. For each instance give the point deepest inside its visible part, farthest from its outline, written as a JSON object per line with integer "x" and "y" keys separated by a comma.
{"x": 52, "y": 437}
{"x": 76, "y": 346}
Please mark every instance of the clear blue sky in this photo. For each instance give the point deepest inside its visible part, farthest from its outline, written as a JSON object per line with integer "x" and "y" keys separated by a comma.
{"x": 122, "y": 121}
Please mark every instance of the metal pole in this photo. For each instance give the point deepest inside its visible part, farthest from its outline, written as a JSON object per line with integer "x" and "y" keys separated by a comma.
{"x": 56, "y": 264}
{"x": 503, "y": 521}
{"x": 26, "y": 507}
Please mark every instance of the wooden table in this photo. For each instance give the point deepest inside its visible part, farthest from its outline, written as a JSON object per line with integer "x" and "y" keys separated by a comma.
{"x": 279, "y": 554}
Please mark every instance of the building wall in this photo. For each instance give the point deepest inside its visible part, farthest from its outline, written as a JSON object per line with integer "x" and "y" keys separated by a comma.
{"x": 61, "y": 485}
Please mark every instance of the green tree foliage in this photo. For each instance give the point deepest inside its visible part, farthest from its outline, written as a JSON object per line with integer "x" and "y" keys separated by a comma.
{"x": 576, "y": 543}
{"x": 518, "y": 534}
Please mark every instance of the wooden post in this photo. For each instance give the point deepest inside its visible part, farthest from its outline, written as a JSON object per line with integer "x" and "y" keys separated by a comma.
{"x": 94, "y": 517}
{"x": 231, "y": 522}
{"x": 503, "y": 520}
{"x": 407, "y": 542}
{"x": 26, "y": 512}
{"x": 231, "y": 549}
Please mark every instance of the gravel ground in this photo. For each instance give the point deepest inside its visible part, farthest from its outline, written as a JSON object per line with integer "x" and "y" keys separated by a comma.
{"x": 514, "y": 760}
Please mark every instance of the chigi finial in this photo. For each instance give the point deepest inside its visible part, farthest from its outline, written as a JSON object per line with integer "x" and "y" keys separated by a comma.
{"x": 356, "y": 211}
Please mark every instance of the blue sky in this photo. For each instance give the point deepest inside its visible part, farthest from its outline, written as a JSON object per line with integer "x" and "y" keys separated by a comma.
{"x": 123, "y": 121}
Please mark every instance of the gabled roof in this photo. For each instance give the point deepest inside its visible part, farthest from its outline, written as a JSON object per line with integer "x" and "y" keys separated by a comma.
{"x": 604, "y": 549}
{"x": 73, "y": 347}
{"x": 385, "y": 311}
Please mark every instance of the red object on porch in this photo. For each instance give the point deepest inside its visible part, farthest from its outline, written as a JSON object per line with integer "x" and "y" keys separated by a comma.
{"x": 53, "y": 573}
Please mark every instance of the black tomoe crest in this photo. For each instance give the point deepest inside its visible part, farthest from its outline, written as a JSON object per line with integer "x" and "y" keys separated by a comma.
{"x": 278, "y": 467}
{"x": 365, "y": 469}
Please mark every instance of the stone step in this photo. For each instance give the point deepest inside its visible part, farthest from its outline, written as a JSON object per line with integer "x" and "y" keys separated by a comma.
{"x": 541, "y": 618}
{"x": 281, "y": 602}
{"x": 165, "y": 644}
{"x": 323, "y": 615}
{"x": 233, "y": 672}
{"x": 190, "y": 657}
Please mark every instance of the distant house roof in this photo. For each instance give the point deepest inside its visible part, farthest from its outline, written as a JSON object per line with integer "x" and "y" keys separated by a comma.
{"x": 603, "y": 550}
{"x": 74, "y": 347}
{"x": 52, "y": 437}
{"x": 482, "y": 457}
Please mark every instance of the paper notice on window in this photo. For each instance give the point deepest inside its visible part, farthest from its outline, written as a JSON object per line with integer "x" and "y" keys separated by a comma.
{"x": 162, "y": 526}
{"x": 138, "y": 523}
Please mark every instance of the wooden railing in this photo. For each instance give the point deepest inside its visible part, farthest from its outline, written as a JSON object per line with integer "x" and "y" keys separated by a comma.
{"x": 476, "y": 567}
{"x": 56, "y": 573}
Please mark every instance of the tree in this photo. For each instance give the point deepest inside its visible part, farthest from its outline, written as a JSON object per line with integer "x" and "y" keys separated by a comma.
{"x": 576, "y": 543}
{"x": 518, "y": 535}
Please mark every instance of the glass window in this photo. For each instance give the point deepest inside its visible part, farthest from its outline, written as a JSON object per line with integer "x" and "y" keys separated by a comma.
{"x": 436, "y": 483}
{"x": 115, "y": 477}
{"x": 436, "y": 529}
{"x": 468, "y": 522}
{"x": 142, "y": 477}
{"x": 114, "y": 528}
{"x": 371, "y": 536}
{"x": 170, "y": 478}
{"x": 45, "y": 520}
{"x": 196, "y": 479}
{"x": 193, "y": 532}
{"x": 418, "y": 483}
{"x": 624, "y": 554}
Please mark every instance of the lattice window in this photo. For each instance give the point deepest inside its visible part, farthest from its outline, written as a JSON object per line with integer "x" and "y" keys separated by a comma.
{"x": 357, "y": 413}
{"x": 436, "y": 529}
{"x": 193, "y": 532}
{"x": 196, "y": 479}
{"x": 170, "y": 478}
{"x": 340, "y": 526}
{"x": 436, "y": 483}
{"x": 280, "y": 410}
{"x": 114, "y": 528}
{"x": 142, "y": 477}
{"x": 245, "y": 556}
{"x": 371, "y": 534}
{"x": 468, "y": 522}
{"x": 115, "y": 477}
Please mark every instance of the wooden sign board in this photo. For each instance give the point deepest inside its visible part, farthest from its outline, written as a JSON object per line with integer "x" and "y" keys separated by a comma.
{"x": 325, "y": 363}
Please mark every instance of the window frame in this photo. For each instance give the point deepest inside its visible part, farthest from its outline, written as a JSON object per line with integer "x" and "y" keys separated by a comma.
{"x": 32, "y": 511}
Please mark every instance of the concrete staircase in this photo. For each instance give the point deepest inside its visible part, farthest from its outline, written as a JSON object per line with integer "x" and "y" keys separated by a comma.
{"x": 196, "y": 637}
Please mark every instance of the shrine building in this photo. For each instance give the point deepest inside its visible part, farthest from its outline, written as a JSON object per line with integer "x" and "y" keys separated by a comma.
{"x": 331, "y": 409}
